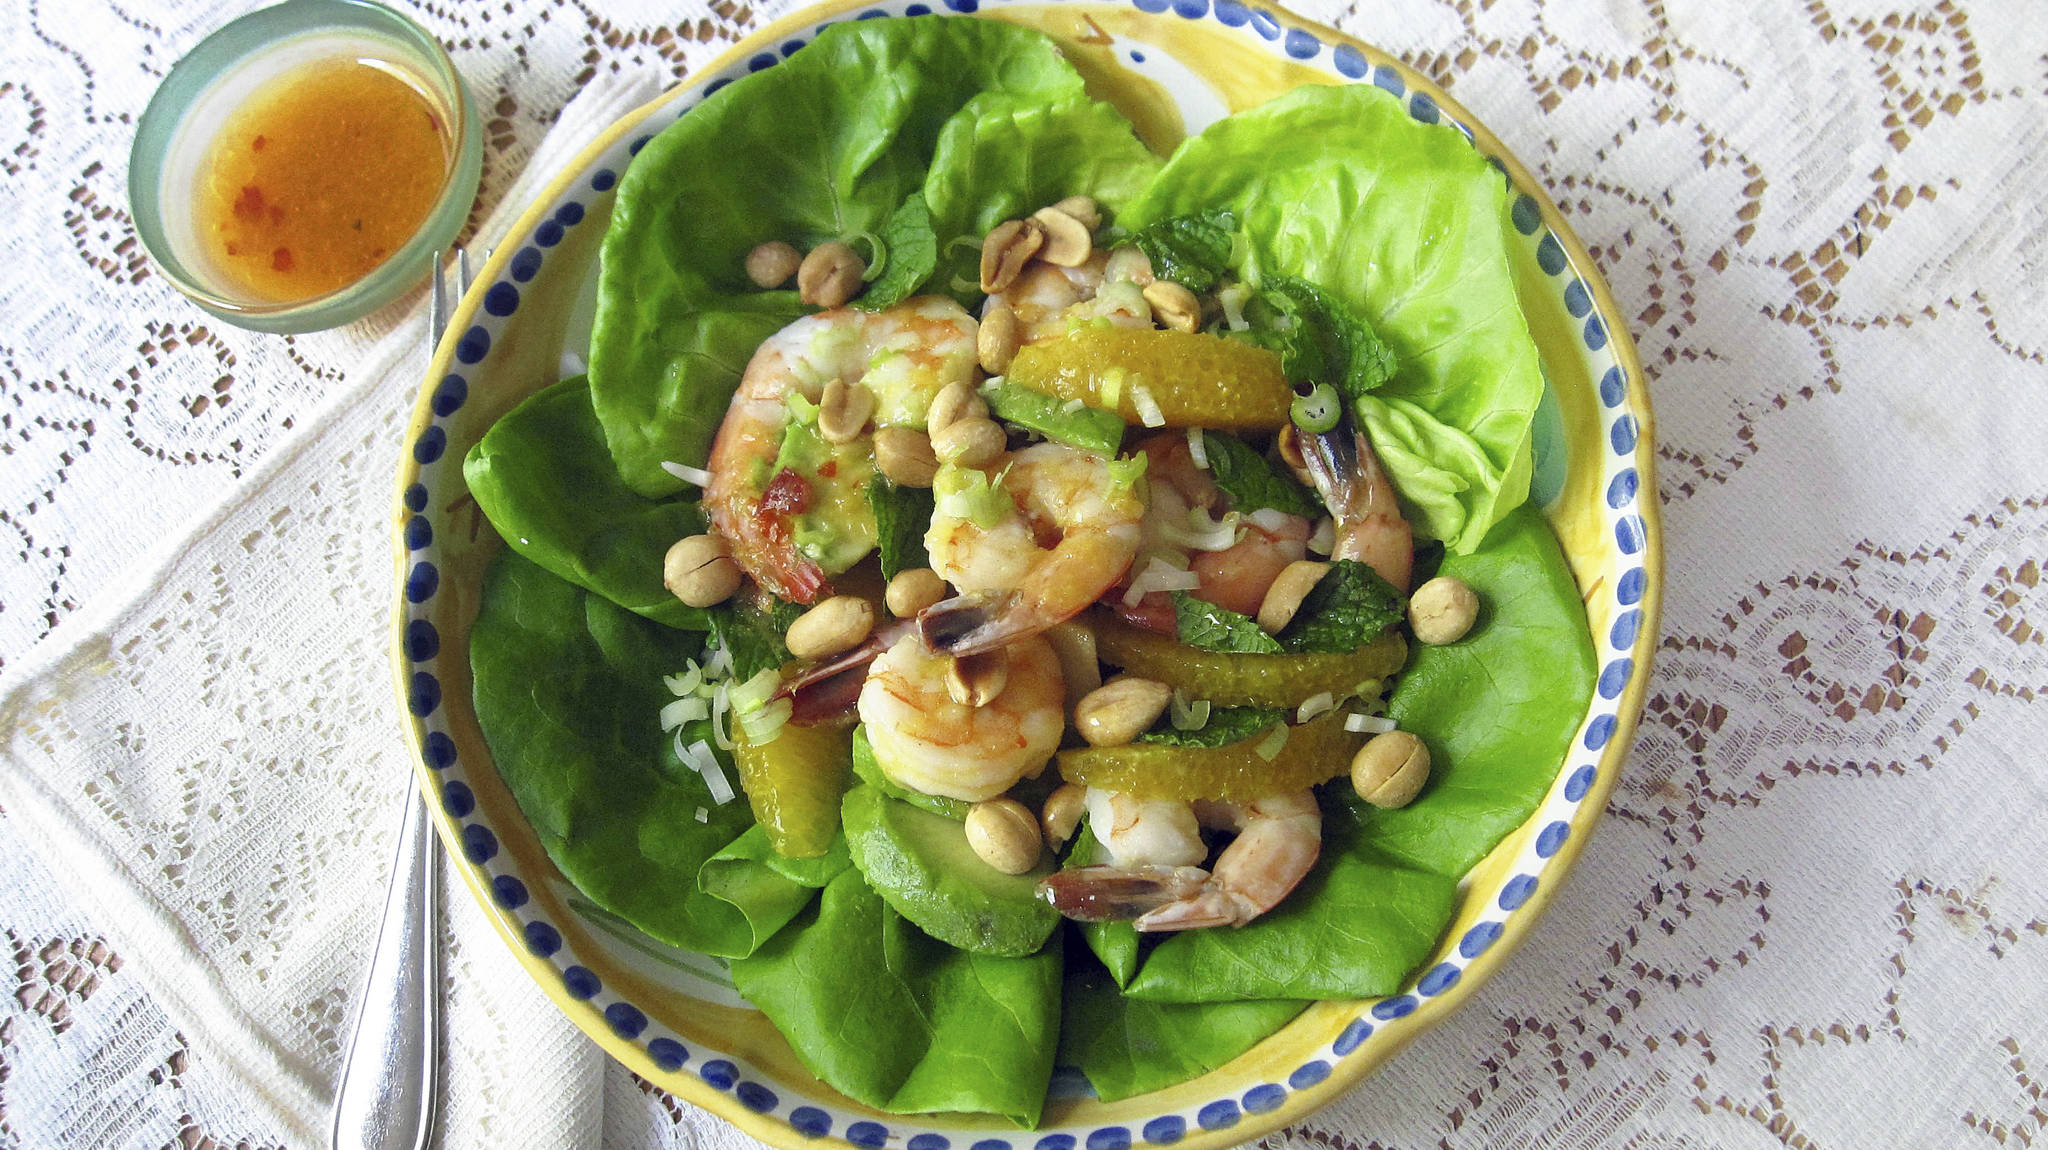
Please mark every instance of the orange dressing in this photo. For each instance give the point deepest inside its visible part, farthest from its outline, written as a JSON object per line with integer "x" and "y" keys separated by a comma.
{"x": 320, "y": 176}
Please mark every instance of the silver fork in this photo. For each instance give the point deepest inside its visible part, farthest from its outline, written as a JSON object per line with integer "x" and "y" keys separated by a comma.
{"x": 390, "y": 1077}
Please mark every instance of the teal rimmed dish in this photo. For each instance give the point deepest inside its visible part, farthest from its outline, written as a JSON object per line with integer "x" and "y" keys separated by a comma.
{"x": 205, "y": 88}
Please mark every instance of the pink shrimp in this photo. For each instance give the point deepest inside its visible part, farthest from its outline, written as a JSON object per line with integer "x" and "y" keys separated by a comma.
{"x": 1150, "y": 880}
{"x": 1234, "y": 577}
{"x": 1370, "y": 527}
{"x": 903, "y": 356}
{"x": 1052, "y": 531}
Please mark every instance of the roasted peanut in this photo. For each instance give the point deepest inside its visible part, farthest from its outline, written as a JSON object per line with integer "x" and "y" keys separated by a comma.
{"x": 1174, "y": 306}
{"x": 843, "y": 411}
{"x": 830, "y": 275}
{"x": 912, "y": 590}
{"x": 1004, "y": 252}
{"x": 1083, "y": 208}
{"x": 997, "y": 339}
{"x": 771, "y": 264}
{"x": 956, "y": 401}
{"x": 1004, "y": 835}
{"x": 834, "y": 626}
{"x": 976, "y": 680}
{"x": 1289, "y": 588}
{"x": 1068, "y": 241}
{"x": 1062, "y": 813}
{"x": 1389, "y": 770}
{"x": 904, "y": 455}
{"x": 1442, "y": 610}
{"x": 700, "y": 570}
{"x": 972, "y": 442}
{"x": 1120, "y": 710}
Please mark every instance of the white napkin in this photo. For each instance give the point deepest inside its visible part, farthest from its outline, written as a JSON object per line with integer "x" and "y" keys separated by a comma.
{"x": 210, "y": 760}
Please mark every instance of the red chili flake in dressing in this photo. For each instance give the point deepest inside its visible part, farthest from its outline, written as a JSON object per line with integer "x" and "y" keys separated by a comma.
{"x": 256, "y": 144}
{"x": 281, "y": 260}
{"x": 250, "y": 202}
{"x": 787, "y": 494}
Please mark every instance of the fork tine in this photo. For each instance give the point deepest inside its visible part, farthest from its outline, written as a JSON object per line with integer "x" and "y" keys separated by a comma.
{"x": 461, "y": 272}
{"x": 437, "y": 302}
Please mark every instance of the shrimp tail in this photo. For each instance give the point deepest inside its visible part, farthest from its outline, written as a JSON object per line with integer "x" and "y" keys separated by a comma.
{"x": 825, "y": 695}
{"x": 972, "y": 623}
{"x": 1116, "y": 894}
{"x": 1348, "y": 476}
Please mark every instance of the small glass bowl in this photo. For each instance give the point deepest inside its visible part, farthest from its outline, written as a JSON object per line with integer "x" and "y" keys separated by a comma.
{"x": 208, "y": 85}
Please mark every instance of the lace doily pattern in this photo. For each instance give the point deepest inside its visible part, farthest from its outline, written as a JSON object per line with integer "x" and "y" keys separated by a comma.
{"x": 1814, "y": 917}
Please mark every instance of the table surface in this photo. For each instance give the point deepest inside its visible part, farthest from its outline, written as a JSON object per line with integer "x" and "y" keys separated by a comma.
{"x": 1823, "y": 220}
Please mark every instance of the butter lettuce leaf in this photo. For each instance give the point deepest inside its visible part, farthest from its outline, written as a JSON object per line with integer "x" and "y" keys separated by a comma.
{"x": 899, "y": 1021}
{"x": 1498, "y": 709}
{"x": 1007, "y": 155}
{"x": 828, "y": 144}
{"x": 1127, "y": 1046}
{"x": 542, "y": 476}
{"x": 1407, "y": 226}
{"x": 569, "y": 695}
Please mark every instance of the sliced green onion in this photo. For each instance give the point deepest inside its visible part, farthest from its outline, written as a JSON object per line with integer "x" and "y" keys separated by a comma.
{"x": 1319, "y": 410}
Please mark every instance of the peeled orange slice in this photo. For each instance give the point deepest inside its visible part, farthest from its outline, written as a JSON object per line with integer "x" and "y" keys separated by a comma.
{"x": 1314, "y": 752}
{"x": 1233, "y": 680}
{"x": 794, "y": 785}
{"x": 1192, "y": 379}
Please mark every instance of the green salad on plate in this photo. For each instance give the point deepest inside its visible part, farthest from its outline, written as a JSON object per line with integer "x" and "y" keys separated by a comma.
{"x": 969, "y": 593}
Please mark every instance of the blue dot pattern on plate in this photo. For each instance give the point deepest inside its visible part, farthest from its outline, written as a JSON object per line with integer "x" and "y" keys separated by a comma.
{"x": 1264, "y": 1099}
{"x": 1479, "y": 939}
{"x": 1109, "y": 1138}
{"x": 1308, "y": 1074}
{"x": 1165, "y": 1130}
{"x": 1221, "y": 1114}
{"x": 625, "y": 1019}
{"x": 580, "y": 983}
{"x": 1354, "y": 1036}
{"x": 507, "y": 891}
{"x": 457, "y": 799}
{"x": 427, "y": 531}
{"x": 670, "y": 1055}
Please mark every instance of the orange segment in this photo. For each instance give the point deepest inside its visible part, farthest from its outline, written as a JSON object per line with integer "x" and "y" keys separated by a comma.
{"x": 1315, "y": 752}
{"x": 1233, "y": 680}
{"x": 794, "y": 785}
{"x": 1197, "y": 380}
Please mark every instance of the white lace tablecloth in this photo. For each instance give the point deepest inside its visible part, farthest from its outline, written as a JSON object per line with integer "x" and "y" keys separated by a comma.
{"x": 1815, "y": 916}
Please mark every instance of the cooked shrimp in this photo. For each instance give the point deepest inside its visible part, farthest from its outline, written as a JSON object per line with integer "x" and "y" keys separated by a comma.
{"x": 902, "y": 356}
{"x": 1370, "y": 528}
{"x": 1151, "y": 882}
{"x": 1049, "y": 300}
{"x": 1235, "y": 576}
{"x": 926, "y": 741}
{"x": 1057, "y": 530}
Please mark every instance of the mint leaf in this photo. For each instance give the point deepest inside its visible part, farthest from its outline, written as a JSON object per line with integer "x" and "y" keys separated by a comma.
{"x": 1252, "y": 482}
{"x": 1212, "y": 628}
{"x": 753, "y": 635}
{"x": 1348, "y": 607}
{"x": 1226, "y": 725}
{"x": 1192, "y": 251}
{"x": 1318, "y": 338}
{"x": 901, "y": 516}
{"x": 909, "y": 254}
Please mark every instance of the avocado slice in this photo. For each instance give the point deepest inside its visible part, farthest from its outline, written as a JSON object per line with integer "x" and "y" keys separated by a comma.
{"x": 1090, "y": 429}
{"x": 921, "y": 865}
